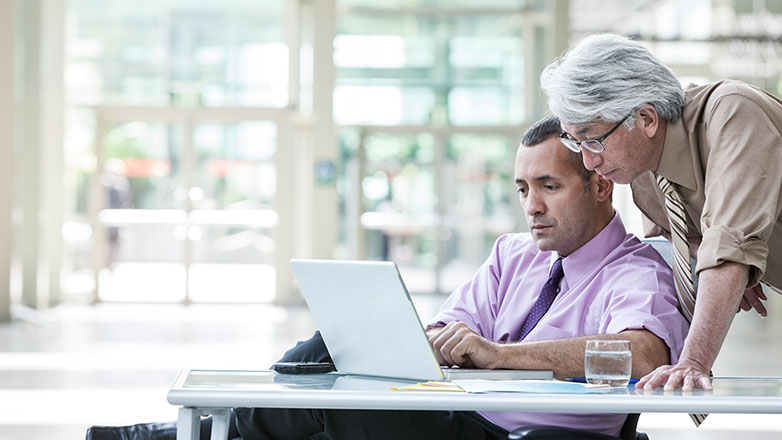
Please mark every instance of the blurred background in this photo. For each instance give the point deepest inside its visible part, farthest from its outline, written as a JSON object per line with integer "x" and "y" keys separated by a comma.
{"x": 161, "y": 161}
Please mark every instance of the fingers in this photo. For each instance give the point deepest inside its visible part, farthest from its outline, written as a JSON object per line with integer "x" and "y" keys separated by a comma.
{"x": 439, "y": 340}
{"x": 696, "y": 379}
{"x": 448, "y": 345}
{"x": 644, "y": 380}
{"x": 760, "y": 308}
{"x": 744, "y": 305}
{"x": 688, "y": 383}
{"x": 754, "y": 297}
{"x": 460, "y": 353}
{"x": 671, "y": 377}
{"x": 654, "y": 379}
{"x": 758, "y": 305}
{"x": 674, "y": 379}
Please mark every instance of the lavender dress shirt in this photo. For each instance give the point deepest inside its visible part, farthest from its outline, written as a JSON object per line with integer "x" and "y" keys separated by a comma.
{"x": 612, "y": 283}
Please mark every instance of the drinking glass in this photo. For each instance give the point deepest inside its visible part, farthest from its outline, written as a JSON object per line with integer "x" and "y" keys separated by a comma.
{"x": 608, "y": 362}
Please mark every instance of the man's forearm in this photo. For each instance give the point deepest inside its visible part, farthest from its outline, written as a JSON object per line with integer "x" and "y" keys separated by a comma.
{"x": 566, "y": 356}
{"x": 719, "y": 292}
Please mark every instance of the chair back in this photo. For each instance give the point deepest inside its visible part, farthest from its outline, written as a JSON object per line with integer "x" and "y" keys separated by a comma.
{"x": 663, "y": 247}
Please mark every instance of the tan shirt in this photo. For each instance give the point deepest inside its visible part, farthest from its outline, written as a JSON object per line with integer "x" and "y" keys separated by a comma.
{"x": 725, "y": 156}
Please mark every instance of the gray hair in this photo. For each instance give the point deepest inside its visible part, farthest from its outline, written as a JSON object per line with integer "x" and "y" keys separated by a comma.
{"x": 607, "y": 77}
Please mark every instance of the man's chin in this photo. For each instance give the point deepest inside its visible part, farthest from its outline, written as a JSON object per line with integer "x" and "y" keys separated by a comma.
{"x": 621, "y": 180}
{"x": 620, "y": 177}
{"x": 543, "y": 243}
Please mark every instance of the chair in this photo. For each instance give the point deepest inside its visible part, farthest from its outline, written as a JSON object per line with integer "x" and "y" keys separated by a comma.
{"x": 553, "y": 433}
{"x": 665, "y": 249}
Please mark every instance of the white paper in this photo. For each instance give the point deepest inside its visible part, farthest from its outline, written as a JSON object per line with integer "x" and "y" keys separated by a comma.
{"x": 529, "y": 386}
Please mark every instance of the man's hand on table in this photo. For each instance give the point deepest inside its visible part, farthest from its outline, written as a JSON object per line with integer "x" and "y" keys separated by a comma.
{"x": 687, "y": 374}
{"x": 458, "y": 344}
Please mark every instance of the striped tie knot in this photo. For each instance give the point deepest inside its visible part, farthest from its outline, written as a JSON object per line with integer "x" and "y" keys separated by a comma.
{"x": 665, "y": 185}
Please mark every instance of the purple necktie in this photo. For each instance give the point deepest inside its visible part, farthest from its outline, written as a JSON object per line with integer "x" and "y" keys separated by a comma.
{"x": 546, "y": 297}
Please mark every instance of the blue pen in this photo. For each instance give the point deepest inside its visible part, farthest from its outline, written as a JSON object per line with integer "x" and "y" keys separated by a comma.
{"x": 583, "y": 380}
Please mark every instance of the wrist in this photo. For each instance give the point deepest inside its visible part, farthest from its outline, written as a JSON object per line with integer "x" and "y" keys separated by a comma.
{"x": 689, "y": 359}
{"x": 497, "y": 359}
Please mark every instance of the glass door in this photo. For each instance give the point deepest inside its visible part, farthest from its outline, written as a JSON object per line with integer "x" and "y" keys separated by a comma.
{"x": 186, "y": 209}
{"x": 142, "y": 213}
{"x": 231, "y": 216}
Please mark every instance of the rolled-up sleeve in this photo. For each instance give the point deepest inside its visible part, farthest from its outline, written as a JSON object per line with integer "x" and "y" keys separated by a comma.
{"x": 650, "y": 305}
{"x": 742, "y": 184}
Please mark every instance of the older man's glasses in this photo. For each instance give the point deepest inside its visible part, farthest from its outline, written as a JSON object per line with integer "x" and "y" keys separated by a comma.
{"x": 592, "y": 145}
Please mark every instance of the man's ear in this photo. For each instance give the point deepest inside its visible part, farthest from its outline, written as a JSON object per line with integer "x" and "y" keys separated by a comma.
{"x": 647, "y": 120}
{"x": 604, "y": 187}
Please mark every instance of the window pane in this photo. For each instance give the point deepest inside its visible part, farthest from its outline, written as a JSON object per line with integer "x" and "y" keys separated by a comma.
{"x": 235, "y": 165}
{"x": 399, "y": 202}
{"x": 142, "y": 167}
{"x": 425, "y": 69}
{"x": 232, "y": 221}
{"x": 485, "y": 4}
{"x": 207, "y": 52}
{"x": 383, "y": 105}
{"x": 480, "y": 203}
{"x": 232, "y": 264}
{"x": 144, "y": 263}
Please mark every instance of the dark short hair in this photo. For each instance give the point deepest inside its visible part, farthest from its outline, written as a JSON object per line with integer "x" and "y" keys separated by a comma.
{"x": 546, "y": 128}
{"x": 541, "y": 130}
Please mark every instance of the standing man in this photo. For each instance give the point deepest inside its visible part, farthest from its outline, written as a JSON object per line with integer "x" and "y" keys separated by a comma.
{"x": 705, "y": 167}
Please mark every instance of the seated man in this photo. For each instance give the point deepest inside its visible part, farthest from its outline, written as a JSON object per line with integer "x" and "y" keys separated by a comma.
{"x": 532, "y": 305}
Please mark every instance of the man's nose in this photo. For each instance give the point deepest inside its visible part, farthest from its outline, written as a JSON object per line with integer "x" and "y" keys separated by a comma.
{"x": 535, "y": 205}
{"x": 591, "y": 160}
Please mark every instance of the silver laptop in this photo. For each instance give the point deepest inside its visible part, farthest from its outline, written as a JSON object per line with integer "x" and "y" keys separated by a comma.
{"x": 370, "y": 326}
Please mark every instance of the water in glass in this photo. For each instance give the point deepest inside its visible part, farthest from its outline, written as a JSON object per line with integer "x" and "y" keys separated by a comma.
{"x": 608, "y": 363}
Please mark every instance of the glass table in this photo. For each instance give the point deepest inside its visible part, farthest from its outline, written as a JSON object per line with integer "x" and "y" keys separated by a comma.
{"x": 203, "y": 392}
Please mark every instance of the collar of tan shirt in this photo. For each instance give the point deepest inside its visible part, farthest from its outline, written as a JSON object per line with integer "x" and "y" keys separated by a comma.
{"x": 676, "y": 162}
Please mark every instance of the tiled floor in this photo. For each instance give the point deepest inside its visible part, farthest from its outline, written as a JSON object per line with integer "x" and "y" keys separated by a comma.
{"x": 73, "y": 366}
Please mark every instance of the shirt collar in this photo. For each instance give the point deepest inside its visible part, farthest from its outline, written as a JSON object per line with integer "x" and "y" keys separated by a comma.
{"x": 676, "y": 163}
{"x": 581, "y": 262}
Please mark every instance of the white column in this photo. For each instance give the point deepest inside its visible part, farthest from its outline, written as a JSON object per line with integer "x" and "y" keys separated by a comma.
{"x": 40, "y": 187}
{"x": 29, "y": 154}
{"x": 287, "y": 199}
{"x": 559, "y": 35}
{"x": 96, "y": 201}
{"x": 283, "y": 205}
{"x": 323, "y": 215}
{"x": 187, "y": 181}
{"x": 6, "y": 151}
{"x": 52, "y": 113}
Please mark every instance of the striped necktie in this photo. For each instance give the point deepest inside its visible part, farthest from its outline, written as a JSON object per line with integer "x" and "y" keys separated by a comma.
{"x": 682, "y": 271}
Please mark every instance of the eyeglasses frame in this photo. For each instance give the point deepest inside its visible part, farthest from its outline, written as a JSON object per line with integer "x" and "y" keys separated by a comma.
{"x": 576, "y": 146}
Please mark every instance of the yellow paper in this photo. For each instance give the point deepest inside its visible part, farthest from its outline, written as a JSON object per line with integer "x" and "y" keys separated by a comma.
{"x": 431, "y": 386}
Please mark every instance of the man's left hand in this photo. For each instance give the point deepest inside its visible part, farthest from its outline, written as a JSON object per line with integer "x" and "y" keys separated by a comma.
{"x": 458, "y": 344}
{"x": 688, "y": 375}
{"x": 753, "y": 299}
